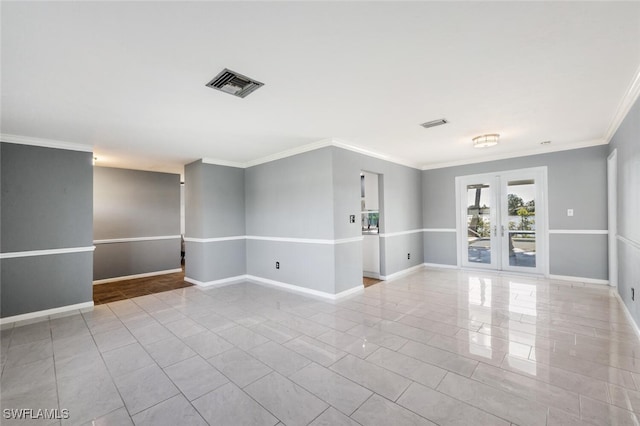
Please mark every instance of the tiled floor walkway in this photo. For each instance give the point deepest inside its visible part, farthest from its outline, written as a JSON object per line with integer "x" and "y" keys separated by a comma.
{"x": 435, "y": 347}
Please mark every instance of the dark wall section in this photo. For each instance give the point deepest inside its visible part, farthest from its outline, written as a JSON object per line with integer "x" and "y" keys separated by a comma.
{"x": 135, "y": 204}
{"x": 46, "y": 205}
{"x": 46, "y": 198}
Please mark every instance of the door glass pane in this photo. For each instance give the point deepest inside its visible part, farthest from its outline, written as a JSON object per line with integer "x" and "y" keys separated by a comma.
{"x": 479, "y": 223}
{"x": 521, "y": 208}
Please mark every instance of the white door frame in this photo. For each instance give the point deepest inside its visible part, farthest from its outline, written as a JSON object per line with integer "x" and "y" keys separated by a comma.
{"x": 542, "y": 225}
{"x": 612, "y": 216}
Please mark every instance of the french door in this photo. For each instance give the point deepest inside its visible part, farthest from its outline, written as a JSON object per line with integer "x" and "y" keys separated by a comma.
{"x": 502, "y": 221}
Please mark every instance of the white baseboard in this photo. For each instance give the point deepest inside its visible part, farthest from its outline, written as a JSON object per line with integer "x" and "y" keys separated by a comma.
{"x": 627, "y": 313}
{"x": 273, "y": 283}
{"x": 440, "y": 266}
{"x": 579, "y": 279}
{"x": 45, "y": 313}
{"x": 303, "y": 290}
{"x": 133, "y": 277}
{"x": 217, "y": 283}
{"x": 374, "y": 275}
{"x": 401, "y": 273}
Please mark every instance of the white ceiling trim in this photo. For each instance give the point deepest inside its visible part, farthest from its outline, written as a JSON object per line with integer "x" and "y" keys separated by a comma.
{"x": 45, "y": 143}
{"x": 566, "y": 147}
{"x": 219, "y": 162}
{"x": 629, "y": 99}
{"x": 307, "y": 148}
{"x": 341, "y": 144}
{"x": 290, "y": 152}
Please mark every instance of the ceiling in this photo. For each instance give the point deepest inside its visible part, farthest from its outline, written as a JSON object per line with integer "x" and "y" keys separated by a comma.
{"x": 129, "y": 78}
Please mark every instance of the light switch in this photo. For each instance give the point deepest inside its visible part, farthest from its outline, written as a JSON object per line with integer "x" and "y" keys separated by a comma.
{"x": 569, "y": 212}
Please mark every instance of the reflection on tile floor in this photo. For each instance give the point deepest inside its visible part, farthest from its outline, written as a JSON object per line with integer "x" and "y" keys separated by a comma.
{"x": 434, "y": 347}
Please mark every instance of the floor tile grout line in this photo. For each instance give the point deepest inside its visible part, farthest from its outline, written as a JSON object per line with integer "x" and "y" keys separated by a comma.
{"x": 161, "y": 369}
{"x": 373, "y": 393}
{"x": 478, "y": 407}
{"x": 105, "y": 365}
{"x": 256, "y": 401}
{"x": 55, "y": 370}
{"x": 338, "y": 374}
{"x": 323, "y": 411}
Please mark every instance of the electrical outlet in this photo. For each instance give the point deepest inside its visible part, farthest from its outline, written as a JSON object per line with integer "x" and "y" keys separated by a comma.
{"x": 352, "y": 218}
{"x": 408, "y": 255}
{"x": 277, "y": 265}
{"x": 569, "y": 212}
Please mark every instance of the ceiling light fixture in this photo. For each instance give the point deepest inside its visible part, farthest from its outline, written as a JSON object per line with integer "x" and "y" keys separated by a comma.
{"x": 486, "y": 141}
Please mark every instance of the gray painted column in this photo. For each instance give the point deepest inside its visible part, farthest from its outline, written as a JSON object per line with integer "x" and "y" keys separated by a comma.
{"x": 215, "y": 223}
{"x": 46, "y": 208}
{"x": 290, "y": 221}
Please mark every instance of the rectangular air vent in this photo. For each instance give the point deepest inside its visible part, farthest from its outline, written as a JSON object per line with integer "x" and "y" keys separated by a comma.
{"x": 233, "y": 83}
{"x": 434, "y": 123}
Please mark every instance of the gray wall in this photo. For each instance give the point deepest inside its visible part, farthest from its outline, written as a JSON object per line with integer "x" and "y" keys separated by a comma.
{"x": 214, "y": 200}
{"x": 311, "y": 196}
{"x": 214, "y": 208}
{"x": 292, "y": 198}
{"x": 46, "y": 204}
{"x": 400, "y": 202}
{"x": 577, "y": 179}
{"x": 135, "y": 204}
{"x": 627, "y": 142}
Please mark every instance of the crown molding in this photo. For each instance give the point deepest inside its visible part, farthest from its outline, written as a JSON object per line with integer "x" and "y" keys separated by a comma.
{"x": 273, "y": 157}
{"x": 628, "y": 100}
{"x": 307, "y": 148}
{"x": 290, "y": 152}
{"x": 344, "y": 145}
{"x": 45, "y": 143}
{"x": 505, "y": 156}
{"x": 223, "y": 163}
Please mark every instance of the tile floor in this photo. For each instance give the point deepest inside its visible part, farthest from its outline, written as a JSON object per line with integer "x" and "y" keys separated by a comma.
{"x": 435, "y": 347}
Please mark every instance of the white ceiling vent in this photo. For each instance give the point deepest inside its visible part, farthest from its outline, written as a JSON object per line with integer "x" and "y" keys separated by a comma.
{"x": 434, "y": 123}
{"x": 233, "y": 83}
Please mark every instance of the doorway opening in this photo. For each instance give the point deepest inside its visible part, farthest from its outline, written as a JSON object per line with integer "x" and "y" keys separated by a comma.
{"x": 502, "y": 221}
{"x": 370, "y": 222}
{"x": 612, "y": 203}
